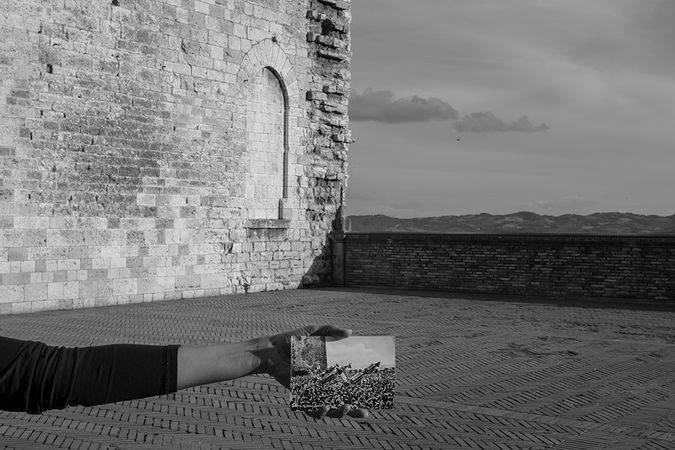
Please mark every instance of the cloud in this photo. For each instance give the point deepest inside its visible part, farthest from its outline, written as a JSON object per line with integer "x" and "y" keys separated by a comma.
{"x": 382, "y": 106}
{"x": 482, "y": 122}
{"x": 361, "y": 351}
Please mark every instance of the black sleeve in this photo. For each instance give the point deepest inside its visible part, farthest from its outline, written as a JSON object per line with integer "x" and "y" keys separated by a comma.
{"x": 35, "y": 377}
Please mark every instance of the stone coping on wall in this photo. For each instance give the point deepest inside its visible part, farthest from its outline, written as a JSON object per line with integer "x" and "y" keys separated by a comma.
{"x": 494, "y": 237}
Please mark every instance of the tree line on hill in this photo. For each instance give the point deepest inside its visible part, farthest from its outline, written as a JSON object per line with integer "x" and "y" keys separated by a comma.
{"x": 614, "y": 223}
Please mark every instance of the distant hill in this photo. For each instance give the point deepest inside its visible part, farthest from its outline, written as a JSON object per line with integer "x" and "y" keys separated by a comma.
{"x": 521, "y": 222}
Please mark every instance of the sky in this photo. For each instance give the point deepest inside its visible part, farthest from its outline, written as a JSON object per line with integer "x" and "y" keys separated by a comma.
{"x": 500, "y": 106}
{"x": 362, "y": 351}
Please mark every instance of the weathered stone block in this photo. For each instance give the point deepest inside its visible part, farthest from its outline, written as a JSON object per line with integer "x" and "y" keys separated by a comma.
{"x": 135, "y": 147}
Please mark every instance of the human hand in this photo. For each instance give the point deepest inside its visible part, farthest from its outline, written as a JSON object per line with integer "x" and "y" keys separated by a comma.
{"x": 275, "y": 359}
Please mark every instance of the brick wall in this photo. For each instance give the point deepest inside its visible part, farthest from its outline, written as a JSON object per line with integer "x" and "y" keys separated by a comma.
{"x": 126, "y": 149}
{"x": 537, "y": 265}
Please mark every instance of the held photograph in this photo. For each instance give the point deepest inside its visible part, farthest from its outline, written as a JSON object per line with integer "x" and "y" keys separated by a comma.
{"x": 359, "y": 371}
{"x": 196, "y": 196}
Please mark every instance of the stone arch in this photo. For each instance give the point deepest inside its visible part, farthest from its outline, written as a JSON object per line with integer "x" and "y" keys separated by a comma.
{"x": 263, "y": 60}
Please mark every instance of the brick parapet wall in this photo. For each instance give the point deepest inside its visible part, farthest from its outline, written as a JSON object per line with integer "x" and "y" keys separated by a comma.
{"x": 531, "y": 265}
{"x": 124, "y": 157}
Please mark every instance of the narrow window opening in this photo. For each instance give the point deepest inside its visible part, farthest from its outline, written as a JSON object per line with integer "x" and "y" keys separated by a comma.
{"x": 267, "y": 146}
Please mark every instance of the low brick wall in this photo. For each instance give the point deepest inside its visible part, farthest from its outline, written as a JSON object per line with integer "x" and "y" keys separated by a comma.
{"x": 543, "y": 265}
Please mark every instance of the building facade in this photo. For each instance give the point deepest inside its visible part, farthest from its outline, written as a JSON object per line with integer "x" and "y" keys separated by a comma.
{"x": 162, "y": 149}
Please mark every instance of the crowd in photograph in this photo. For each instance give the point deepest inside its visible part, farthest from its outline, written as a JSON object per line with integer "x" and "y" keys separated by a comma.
{"x": 339, "y": 385}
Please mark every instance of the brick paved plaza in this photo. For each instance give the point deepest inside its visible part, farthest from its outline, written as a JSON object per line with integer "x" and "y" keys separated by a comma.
{"x": 490, "y": 373}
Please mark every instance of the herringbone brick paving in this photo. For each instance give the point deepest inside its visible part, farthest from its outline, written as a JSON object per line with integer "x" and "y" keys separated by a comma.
{"x": 483, "y": 373}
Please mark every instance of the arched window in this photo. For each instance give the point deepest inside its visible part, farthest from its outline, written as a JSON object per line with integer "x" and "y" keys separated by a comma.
{"x": 267, "y": 145}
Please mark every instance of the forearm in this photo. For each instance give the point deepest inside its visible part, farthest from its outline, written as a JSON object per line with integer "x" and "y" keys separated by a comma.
{"x": 35, "y": 377}
{"x": 199, "y": 365}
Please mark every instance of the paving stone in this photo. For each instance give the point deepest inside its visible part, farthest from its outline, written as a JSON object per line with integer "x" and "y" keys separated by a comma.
{"x": 488, "y": 373}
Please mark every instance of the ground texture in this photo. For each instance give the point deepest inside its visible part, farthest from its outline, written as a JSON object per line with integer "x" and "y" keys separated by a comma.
{"x": 491, "y": 373}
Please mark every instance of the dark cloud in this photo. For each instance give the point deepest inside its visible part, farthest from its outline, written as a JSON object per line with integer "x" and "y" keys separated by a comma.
{"x": 381, "y": 106}
{"x": 482, "y": 122}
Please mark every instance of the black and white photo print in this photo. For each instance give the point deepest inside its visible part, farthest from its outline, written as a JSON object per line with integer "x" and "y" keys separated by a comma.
{"x": 358, "y": 371}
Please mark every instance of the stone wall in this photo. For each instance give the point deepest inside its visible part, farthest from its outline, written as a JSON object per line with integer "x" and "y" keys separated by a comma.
{"x": 530, "y": 265}
{"x": 136, "y": 135}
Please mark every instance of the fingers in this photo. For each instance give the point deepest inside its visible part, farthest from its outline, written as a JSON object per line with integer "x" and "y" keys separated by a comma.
{"x": 315, "y": 330}
{"x": 359, "y": 413}
{"x": 339, "y": 413}
{"x": 331, "y": 331}
{"x": 318, "y": 414}
{"x": 309, "y": 330}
